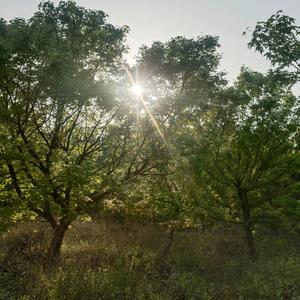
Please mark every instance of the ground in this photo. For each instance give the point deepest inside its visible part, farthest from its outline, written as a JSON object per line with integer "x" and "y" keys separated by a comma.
{"x": 106, "y": 259}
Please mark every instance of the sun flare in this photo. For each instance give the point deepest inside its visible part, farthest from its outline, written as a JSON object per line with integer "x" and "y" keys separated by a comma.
{"x": 137, "y": 90}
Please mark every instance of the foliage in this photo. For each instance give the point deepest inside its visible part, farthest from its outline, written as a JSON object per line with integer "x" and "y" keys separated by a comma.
{"x": 64, "y": 133}
{"x": 188, "y": 152}
{"x": 278, "y": 40}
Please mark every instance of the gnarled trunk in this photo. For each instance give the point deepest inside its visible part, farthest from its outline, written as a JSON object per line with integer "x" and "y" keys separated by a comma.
{"x": 56, "y": 242}
{"x": 248, "y": 226}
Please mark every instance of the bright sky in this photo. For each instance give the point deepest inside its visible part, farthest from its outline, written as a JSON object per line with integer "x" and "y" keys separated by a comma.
{"x": 151, "y": 20}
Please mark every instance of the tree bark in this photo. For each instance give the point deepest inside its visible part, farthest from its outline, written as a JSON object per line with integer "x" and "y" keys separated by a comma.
{"x": 248, "y": 226}
{"x": 56, "y": 242}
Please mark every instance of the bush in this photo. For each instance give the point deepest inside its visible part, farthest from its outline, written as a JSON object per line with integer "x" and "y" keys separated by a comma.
{"x": 23, "y": 242}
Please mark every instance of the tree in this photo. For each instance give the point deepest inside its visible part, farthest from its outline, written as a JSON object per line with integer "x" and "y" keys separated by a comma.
{"x": 278, "y": 40}
{"x": 247, "y": 149}
{"x": 182, "y": 69}
{"x": 63, "y": 134}
{"x": 176, "y": 76}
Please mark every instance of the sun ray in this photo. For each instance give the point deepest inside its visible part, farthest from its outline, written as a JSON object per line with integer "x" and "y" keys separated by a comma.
{"x": 138, "y": 90}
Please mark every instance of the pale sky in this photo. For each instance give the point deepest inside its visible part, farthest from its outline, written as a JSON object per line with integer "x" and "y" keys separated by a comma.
{"x": 163, "y": 19}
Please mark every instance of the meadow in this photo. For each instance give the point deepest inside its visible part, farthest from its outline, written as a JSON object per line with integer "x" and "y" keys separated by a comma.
{"x": 109, "y": 259}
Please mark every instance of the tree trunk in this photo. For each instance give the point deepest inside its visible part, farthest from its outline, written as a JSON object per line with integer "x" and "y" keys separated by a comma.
{"x": 246, "y": 214}
{"x": 162, "y": 259}
{"x": 56, "y": 242}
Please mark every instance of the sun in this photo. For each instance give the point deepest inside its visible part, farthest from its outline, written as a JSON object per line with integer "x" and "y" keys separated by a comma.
{"x": 137, "y": 90}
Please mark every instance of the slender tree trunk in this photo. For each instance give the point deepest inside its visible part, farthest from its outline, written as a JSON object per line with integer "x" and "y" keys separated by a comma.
{"x": 169, "y": 245}
{"x": 162, "y": 258}
{"x": 56, "y": 242}
{"x": 248, "y": 226}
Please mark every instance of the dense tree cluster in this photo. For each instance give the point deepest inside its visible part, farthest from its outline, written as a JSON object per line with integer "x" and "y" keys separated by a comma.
{"x": 190, "y": 151}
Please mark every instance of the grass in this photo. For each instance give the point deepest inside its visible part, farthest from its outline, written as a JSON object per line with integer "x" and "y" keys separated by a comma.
{"x": 110, "y": 260}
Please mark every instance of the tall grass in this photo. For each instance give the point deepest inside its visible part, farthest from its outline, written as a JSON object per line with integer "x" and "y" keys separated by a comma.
{"x": 110, "y": 260}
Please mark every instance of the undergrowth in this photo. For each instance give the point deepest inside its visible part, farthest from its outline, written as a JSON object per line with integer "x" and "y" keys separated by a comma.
{"x": 108, "y": 260}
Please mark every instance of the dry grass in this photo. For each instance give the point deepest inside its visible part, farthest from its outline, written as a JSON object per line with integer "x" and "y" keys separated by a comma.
{"x": 106, "y": 259}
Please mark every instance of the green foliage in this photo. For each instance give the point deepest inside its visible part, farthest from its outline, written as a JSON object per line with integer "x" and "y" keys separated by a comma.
{"x": 278, "y": 40}
{"x": 181, "y": 59}
{"x": 190, "y": 152}
{"x": 63, "y": 134}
